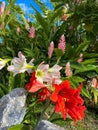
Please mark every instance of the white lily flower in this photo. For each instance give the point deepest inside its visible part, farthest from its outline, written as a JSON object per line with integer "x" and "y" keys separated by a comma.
{"x": 54, "y": 74}
{"x": 41, "y": 72}
{"x": 19, "y": 64}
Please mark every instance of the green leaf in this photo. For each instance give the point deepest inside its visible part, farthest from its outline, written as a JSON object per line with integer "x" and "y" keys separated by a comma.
{"x": 19, "y": 127}
{"x": 75, "y": 65}
{"x": 85, "y": 93}
{"x": 4, "y": 88}
{"x": 82, "y": 47}
{"x": 85, "y": 68}
{"x": 89, "y": 61}
{"x": 90, "y": 55}
{"x": 95, "y": 92}
{"x": 58, "y": 52}
{"x": 56, "y": 14}
{"x": 77, "y": 79}
{"x": 42, "y": 21}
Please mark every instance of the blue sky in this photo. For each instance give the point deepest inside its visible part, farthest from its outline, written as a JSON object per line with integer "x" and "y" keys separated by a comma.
{"x": 25, "y": 4}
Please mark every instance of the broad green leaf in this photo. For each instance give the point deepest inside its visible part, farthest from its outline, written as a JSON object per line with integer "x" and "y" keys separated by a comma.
{"x": 58, "y": 52}
{"x": 89, "y": 61}
{"x": 69, "y": 54}
{"x": 85, "y": 93}
{"x": 75, "y": 65}
{"x": 58, "y": 6}
{"x": 95, "y": 92}
{"x": 4, "y": 88}
{"x": 85, "y": 68}
{"x": 90, "y": 55}
{"x": 82, "y": 47}
{"x": 77, "y": 79}
{"x": 56, "y": 14}
{"x": 19, "y": 127}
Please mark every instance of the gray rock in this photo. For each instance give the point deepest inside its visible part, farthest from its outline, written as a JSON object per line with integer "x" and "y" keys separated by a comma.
{"x": 12, "y": 108}
{"x": 46, "y": 125}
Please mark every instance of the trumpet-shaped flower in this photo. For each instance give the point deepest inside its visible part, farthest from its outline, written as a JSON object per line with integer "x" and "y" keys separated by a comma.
{"x": 19, "y": 64}
{"x": 48, "y": 75}
{"x": 62, "y": 43}
{"x": 68, "y": 101}
{"x": 42, "y": 72}
{"x": 44, "y": 77}
{"x": 54, "y": 75}
{"x": 34, "y": 85}
{"x": 50, "y": 49}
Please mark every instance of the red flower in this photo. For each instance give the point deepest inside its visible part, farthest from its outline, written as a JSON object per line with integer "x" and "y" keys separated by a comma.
{"x": 34, "y": 84}
{"x": 44, "y": 94}
{"x": 68, "y": 101}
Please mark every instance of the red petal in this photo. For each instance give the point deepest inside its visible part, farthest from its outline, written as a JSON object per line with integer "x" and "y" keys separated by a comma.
{"x": 54, "y": 96}
{"x": 66, "y": 83}
{"x": 34, "y": 84}
{"x": 44, "y": 94}
{"x": 61, "y": 104}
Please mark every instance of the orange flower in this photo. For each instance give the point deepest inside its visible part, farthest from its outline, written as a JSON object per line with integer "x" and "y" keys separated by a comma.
{"x": 68, "y": 101}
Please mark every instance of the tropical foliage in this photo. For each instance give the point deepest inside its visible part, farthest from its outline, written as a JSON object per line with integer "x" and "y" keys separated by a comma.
{"x": 57, "y": 57}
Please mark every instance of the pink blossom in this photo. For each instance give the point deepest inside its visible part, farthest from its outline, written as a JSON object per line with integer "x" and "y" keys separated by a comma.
{"x": 68, "y": 71}
{"x": 94, "y": 83}
{"x": 62, "y": 43}
{"x": 2, "y": 8}
{"x": 50, "y": 49}
{"x": 32, "y": 32}
{"x": 18, "y": 29}
{"x": 80, "y": 58}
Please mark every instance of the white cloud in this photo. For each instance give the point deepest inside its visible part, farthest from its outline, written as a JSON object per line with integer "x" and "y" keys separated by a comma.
{"x": 25, "y": 8}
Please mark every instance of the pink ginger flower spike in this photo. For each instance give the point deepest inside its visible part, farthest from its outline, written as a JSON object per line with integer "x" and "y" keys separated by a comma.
{"x": 50, "y": 49}
{"x": 32, "y": 32}
{"x": 2, "y": 8}
{"x": 62, "y": 43}
{"x": 68, "y": 71}
{"x": 80, "y": 58}
{"x": 18, "y": 29}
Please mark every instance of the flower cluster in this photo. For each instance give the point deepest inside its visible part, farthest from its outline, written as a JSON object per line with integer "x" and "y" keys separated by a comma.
{"x": 66, "y": 99}
{"x": 47, "y": 84}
